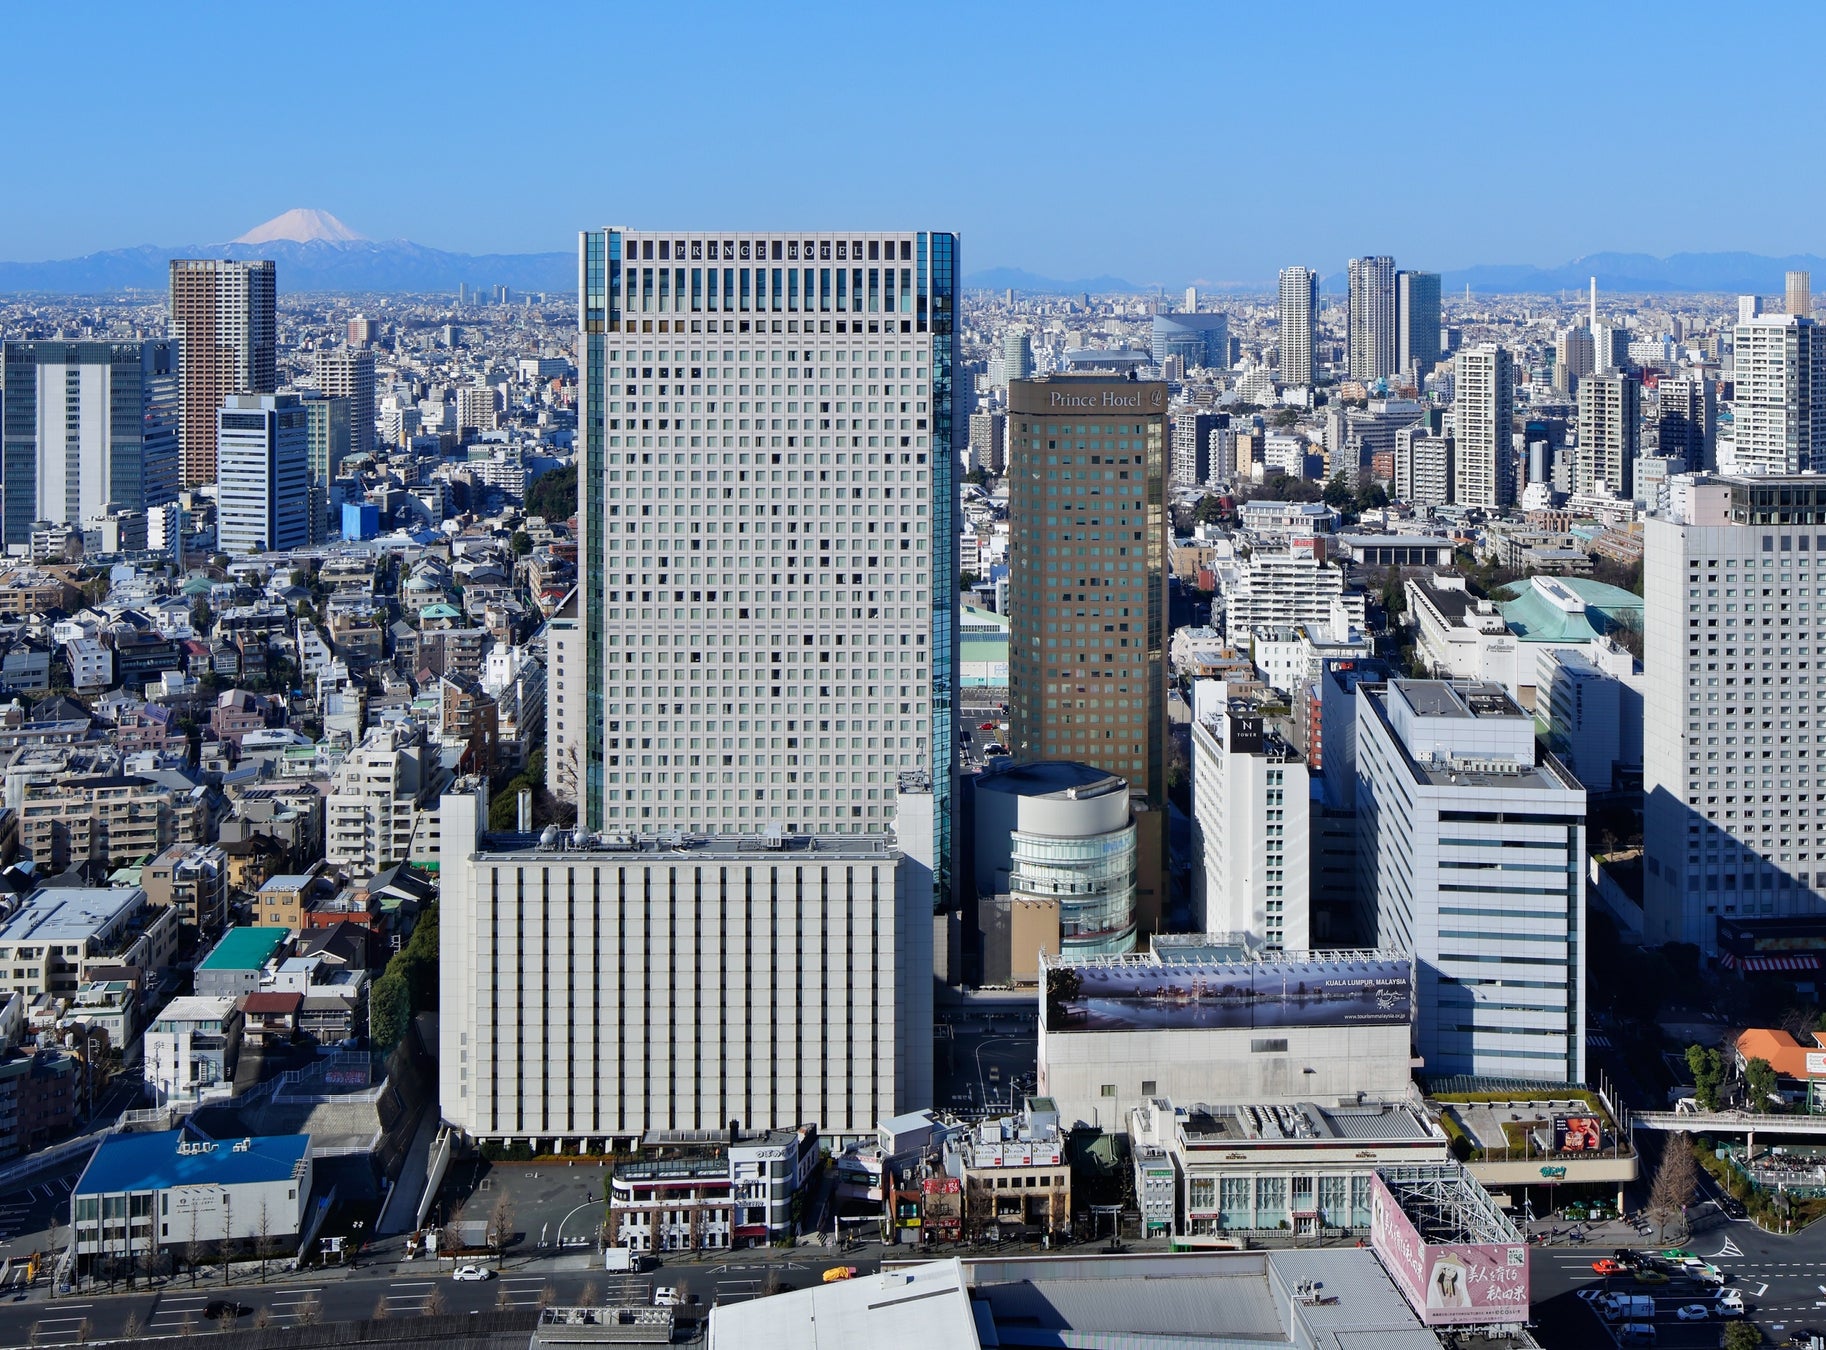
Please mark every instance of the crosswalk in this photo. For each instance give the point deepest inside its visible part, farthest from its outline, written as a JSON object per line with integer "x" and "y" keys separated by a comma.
{"x": 521, "y": 1291}
{"x": 178, "y": 1314}
{"x": 70, "y": 1325}
{"x": 1729, "y": 1249}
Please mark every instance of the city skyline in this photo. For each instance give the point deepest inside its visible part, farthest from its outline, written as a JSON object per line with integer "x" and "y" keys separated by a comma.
{"x": 1458, "y": 221}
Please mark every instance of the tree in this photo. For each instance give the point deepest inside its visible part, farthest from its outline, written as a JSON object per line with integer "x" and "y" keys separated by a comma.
{"x": 309, "y": 1313}
{"x": 978, "y": 476}
{"x": 193, "y": 1249}
{"x": 1759, "y": 1083}
{"x": 434, "y": 1303}
{"x": 389, "y": 1009}
{"x": 1338, "y": 491}
{"x": 1210, "y": 508}
{"x": 1708, "y": 1070}
{"x": 201, "y": 617}
{"x": 265, "y": 1247}
{"x": 501, "y": 1223}
{"x": 382, "y": 1310}
{"x": 1371, "y": 498}
{"x": 521, "y": 543}
{"x": 1675, "y": 1179}
{"x": 1394, "y": 594}
{"x": 131, "y": 1328}
{"x": 553, "y": 494}
{"x": 966, "y": 580}
{"x": 1742, "y": 1336}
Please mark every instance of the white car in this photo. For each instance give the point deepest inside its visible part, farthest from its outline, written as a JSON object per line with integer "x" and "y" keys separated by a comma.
{"x": 666, "y": 1296}
{"x": 469, "y": 1273}
{"x": 1693, "y": 1312}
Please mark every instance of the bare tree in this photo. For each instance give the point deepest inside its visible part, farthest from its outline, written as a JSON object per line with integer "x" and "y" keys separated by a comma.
{"x": 263, "y": 1318}
{"x": 310, "y": 1312}
{"x": 83, "y": 1328}
{"x": 193, "y": 1249}
{"x": 381, "y": 1310}
{"x": 547, "y": 1295}
{"x": 589, "y": 1294}
{"x": 772, "y": 1284}
{"x": 501, "y": 1223}
{"x": 503, "y": 1299}
{"x": 131, "y": 1328}
{"x": 434, "y": 1303}
{"x": 1675, "y": 1178}
{"x": 263, "y": 1243}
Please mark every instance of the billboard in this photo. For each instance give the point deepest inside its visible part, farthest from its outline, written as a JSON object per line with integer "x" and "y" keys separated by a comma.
{"x": 1155, "y": 995}
{"x": 1448, "y": 1283}
{"x": 1578, "y": 1134}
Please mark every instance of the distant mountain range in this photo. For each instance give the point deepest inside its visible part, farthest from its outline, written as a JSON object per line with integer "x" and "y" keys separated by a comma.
{"x": 314, "y": 252}
{"x": 317, "y": 252}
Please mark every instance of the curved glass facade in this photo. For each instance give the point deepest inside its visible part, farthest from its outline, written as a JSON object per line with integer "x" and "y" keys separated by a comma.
{"x": 1092, "y": 879}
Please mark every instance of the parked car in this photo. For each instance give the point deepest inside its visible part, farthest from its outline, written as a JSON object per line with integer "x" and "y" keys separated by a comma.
{"x": 666, "y": 1296}
{"x": 1693, "y": 1312}
{"x": 468, "y": 1274}
{"x": 836, "y": 1273}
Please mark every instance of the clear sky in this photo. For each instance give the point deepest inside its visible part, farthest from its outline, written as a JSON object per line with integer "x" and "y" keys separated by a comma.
{"x": 1162, "y": 143}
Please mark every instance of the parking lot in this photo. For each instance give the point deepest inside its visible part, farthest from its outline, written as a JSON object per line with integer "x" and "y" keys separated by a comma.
{"x": 551, "y": 1205}
{"x": 986, "y": 1061}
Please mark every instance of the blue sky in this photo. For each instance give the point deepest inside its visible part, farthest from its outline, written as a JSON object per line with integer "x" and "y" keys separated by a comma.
{"x": 1162, "y": 143}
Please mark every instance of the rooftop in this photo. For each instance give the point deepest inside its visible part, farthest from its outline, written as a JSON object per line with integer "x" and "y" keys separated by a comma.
{"x": 69, "y": 913}
{"x": 731, "y": 846}
{"x": 168, "y": 1158}
{"x": 1568, "y": 609}
{"x": 244, "y": 949}
{"x": 1051, "y": 778}
{"x": 1305, "y": 1122}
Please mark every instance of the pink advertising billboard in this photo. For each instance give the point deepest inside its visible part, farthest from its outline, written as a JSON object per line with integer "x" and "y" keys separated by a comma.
{"x": 1452, "y": 1282}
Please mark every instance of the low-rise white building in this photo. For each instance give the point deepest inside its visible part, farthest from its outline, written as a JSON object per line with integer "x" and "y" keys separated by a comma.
{"x": 1279, "y": 588}
{"x": 191, "y": 1048}
{"x": 711, "y": 1193}
{"x": 1458, "y": 635}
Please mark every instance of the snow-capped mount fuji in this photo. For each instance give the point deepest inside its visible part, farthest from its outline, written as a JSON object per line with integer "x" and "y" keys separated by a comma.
{"x": 314, "y": 251}
{"x": 302, "y": 225}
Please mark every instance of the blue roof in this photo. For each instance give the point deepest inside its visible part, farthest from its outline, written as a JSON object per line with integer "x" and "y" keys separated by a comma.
{"x": 151, "y": 1162}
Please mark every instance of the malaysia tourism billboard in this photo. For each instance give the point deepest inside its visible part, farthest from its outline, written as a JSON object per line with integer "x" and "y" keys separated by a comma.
{"x": 1146, "y": 996}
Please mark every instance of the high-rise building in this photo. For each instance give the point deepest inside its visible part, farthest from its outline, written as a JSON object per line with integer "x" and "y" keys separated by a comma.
{"x": 1192, "y": 446}
{"x": 348, "y": 372}
{"x": 1723, "y": 687}
{"x": 1371, "y": 337}
{"x": 1609, "y": 347}
{"x": 1423, "y": 467}
{"x": 1778, "y": 409}
{"x": 363, "y": 331}
{"x": 1800, "y": 294}
{"x": 988, "y": 441}
{"x": 1249, "y": 825}
{"x": 1483, "y": 467}
{"x": 1087, "y": 668}
{"x": 1191, "y": 299}
{"x": 1572, "y": 358}
{"x": 1200, "y": 340}
{"x": 1299, "y": 316}
{"x": 263, "y": 497}
{"x": 1017, "y": 356}
{"x": 1609, "y": 440}
{"x": 1471, "y": 855}
{"x": 1416, "y": 321}
{"x": 761, "y": 583}
{"x": 1687, "y": 420}
{"x": 224, "y": 316}
{"x": 327, "y": 435}
{"x": 86, "y": 426}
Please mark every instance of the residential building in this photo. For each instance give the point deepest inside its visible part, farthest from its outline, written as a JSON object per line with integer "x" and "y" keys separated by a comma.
{"x": 224, "y": 318}
{"x": 849, "y": 600}
{"x": 1483, "y": 464}
{"x": 106, "y": 819}
{"x": 1249, "y": 823}
{"x": 327, "y": 441}
{"x": 1609, "y": 416}
{"x": 88, "y": 428}
{"x": 348, "y": 373}
{"x": 49, "y": 943}
{"x": 1192, "y": 459}
{"x": 1417, "y": 346}
{"x": 1055, "y": 866}
{"x": 1370, "y": 335}
{"x": 192, "y": 880}
{"x": 383, "y": 799}
{"x": 1799, "y": 288}
{"x": 1687, "y": 421}
{"x": 712, "y": 1194}
{"x": 1283, "y": 588}
{"x": 175, "y": 1191}
{"x": 1778, "y": 408}
{"x": 191, "y": 1049}
{"x": 238, "y": 963}
{"x": 1471, "y": 853}
{"x": 989, "y": 441}
{"x": 263, "y": 453}
{"x": 1574, "y": 357}
{"x": 775, "y": 978}
{"x": 1299, "y": 318}
{"x": 1711, "y": 768}
{"x": 1017, "y": 356}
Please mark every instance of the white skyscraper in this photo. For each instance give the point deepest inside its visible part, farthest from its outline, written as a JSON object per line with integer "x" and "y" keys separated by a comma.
{"x": 1779, "y": 406}
{"x": 349, "y": 372}
{"x": 1299, "y": 312}
{"x": 1471, "y": 855}
{"x": 767, "y": 572}
{"x": 1483, "y": 471}
{"x": 263, "y": 462}
{"x": 1371, "y": 339}
{"x": 1609, "y": 413}
{"x": 1734, "y": 781}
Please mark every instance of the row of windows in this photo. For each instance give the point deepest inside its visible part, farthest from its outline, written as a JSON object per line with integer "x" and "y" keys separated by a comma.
{"x": 783, "y": 250}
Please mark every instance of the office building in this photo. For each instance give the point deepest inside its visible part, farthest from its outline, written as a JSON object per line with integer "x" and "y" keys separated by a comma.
{"x": 598, "y": 987}
{"x": 1471, "y": 854}
{"x": 263, "y": 453}
{"x": 1609, "y": 441}
{"x": 1299, "y": 319}
{"x": 1370, "y": 339}
{"x": 1202, "y": 341}
{"x": 1800, "y": 294}
{"x": 223, "y": 316}
{"x": 736, "y": 1188}
{"x": 1055, "y": 866}
{"x": 1417, "y": 346}
{"x": 1687, "y": 421}
{"x": 88, "y": 428}
{"x": 711, "y": 646}
{"x": 1017, "y": 356}
{"x": 1778, "y": 407}
{"x": 1483, "y": 465}
{"x": 1249, "y": 823}
{"x": 1726, "y": 681}
{"x": 348, "y": 372}
{"x": 1087, "y": 667}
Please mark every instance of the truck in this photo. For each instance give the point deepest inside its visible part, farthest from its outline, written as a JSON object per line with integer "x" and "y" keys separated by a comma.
{"x": 1629, "y": 1308}
{"x": 622, "y": 1259}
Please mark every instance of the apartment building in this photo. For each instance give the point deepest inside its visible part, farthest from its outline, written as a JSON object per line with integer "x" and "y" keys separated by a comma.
{"x": 106, "y": 819}
{"x": 380, "y": 798}
{"x": 49, "y": 943}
